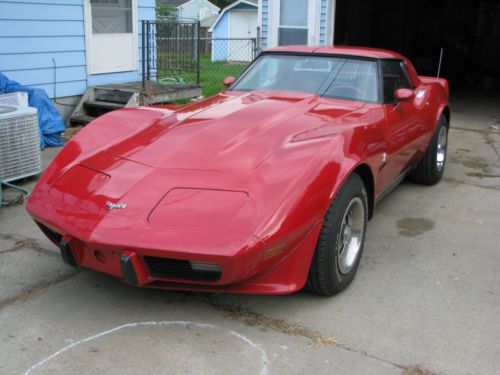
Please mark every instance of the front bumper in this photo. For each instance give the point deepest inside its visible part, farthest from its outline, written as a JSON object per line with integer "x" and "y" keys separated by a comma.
{"x": 145, "y": 265}
{"x": 244, "y": 272}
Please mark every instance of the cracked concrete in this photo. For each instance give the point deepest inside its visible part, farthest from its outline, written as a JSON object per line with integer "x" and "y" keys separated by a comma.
{"x": 25, "y": 271}
{"x": 91, "y": 303}
{"x": 425, "y": 300}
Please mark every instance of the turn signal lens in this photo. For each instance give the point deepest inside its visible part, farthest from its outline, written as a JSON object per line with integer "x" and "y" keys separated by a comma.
{"x": 274, "y": 251}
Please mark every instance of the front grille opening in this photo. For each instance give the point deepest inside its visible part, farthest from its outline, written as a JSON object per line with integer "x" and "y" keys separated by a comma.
{"x": 53, "y": 236}
{"x": 182, "y": 269}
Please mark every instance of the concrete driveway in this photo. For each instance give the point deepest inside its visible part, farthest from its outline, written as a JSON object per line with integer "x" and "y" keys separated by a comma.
{"x": 426, "y": 298}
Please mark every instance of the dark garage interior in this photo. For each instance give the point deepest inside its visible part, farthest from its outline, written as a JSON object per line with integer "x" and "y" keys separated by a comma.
{"x": 468, "y": 32}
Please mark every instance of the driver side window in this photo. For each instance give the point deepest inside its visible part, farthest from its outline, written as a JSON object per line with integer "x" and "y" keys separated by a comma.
{"x": 395, "y": 77}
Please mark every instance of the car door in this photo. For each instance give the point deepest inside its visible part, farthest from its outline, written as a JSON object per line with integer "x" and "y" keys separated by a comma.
{"x": 403, "y": 122}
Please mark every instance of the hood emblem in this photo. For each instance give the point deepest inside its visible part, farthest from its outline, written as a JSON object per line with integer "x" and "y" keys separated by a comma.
{"x": 112, "y": 205}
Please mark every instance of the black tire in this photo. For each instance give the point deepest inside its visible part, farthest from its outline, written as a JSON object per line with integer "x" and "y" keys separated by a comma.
{"x": 427, "y": 171}
{"x": 325, "y": 276}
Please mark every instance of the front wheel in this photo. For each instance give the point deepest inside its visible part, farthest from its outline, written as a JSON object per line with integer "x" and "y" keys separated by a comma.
{"x": 341, "y": 240}
{"x": 431, "y": 168}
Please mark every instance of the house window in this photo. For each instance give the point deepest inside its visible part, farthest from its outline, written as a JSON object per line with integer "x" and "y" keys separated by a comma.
{"x": 111, "y": 16}
{"x": 292, "y": 27}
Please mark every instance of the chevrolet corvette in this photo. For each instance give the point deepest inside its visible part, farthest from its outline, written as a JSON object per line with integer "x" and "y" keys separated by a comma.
{"x": 266, "y": 187}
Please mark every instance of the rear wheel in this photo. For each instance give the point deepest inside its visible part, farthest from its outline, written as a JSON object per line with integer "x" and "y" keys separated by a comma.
{"x": 341, "y": 240}
{"x": 431, "y": 168}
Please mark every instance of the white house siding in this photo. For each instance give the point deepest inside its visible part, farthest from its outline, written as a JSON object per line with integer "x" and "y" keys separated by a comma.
{"x": 322, "y": 22}
{"x": 191, "y": 10}
{"x": 36, "y": 33}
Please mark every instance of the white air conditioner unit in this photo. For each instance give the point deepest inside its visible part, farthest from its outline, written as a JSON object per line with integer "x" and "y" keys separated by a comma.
{"x": 18, "y": 98}
{"x": 20, "y": 155}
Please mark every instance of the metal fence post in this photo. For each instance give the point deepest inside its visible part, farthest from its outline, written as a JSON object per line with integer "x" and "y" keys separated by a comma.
{"x": 198, "y": 50}
{"x": 148, "y": 55}
{"x": 143, "y": 55}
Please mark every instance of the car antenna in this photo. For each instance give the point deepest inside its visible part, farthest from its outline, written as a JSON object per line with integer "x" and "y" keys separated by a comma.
{"x": 440, "y": 61}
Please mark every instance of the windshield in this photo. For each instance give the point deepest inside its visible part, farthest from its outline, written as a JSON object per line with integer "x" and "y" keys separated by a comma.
{"x": 330, "y": 77}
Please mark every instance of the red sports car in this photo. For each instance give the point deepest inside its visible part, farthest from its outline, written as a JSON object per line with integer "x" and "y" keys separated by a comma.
{"x": 264, "y": 188}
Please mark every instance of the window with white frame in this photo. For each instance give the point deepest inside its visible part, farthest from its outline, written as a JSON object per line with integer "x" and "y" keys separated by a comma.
{"x": 111, "y": 16}
{"x": 292, "y": 28}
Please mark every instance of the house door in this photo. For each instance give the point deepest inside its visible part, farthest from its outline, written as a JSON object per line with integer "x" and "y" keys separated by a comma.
{"x": 243, "y": 27}
{"x": 111, "y": 35}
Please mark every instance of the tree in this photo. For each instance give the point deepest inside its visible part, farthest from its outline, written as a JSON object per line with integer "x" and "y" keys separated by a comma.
{"x": 164, "y": 10}
{"x": 222, "y": 3}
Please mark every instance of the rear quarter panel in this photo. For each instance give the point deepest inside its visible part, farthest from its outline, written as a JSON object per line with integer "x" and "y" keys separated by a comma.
{"x": 436, "y": 99}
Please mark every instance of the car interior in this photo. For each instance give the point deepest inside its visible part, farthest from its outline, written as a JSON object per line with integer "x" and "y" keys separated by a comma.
{"x": 394, "y": 78}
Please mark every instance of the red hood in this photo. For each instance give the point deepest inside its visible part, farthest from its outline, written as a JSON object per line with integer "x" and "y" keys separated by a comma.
{"x": 232, "y": 131}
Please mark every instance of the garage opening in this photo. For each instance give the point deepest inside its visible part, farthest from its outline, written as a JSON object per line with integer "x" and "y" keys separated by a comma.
{"x": 469, "y": 32}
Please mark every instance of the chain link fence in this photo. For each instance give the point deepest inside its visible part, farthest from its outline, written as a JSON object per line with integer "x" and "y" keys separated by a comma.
{"x": 226, "y": 57}
{"x": 183, "y": 53}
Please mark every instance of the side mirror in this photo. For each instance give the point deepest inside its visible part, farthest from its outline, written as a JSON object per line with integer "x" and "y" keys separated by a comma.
{"x": 404, "y": 94}
{"x": 228, "y": 81}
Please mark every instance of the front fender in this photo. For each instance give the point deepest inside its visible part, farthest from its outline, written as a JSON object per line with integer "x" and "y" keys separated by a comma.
{"x": 104, "y": 131}
{"x": 306, "y": 177}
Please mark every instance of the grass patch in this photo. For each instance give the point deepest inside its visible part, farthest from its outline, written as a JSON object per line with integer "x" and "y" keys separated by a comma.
{"x": 211, "y": 74}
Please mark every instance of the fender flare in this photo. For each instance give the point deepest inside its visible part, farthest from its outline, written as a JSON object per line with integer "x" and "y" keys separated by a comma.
{"x": 364, "y": 171}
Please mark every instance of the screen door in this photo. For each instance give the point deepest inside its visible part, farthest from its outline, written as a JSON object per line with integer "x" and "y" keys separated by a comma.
{"x": 111, "y": 35}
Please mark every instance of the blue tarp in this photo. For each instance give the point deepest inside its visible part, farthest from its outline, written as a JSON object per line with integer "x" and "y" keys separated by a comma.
{"x": 50, "y": 121}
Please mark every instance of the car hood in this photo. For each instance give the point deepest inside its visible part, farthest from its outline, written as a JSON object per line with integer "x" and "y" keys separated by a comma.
{"x": 192, "y": 172}
{"x": 231, "y": 131}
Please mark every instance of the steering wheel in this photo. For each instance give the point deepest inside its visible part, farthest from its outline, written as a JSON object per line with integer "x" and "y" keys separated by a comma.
{"x": 343, "y": 91}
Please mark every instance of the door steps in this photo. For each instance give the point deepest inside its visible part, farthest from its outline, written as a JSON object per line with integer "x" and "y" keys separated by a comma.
{"x": 99, "y": 100}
